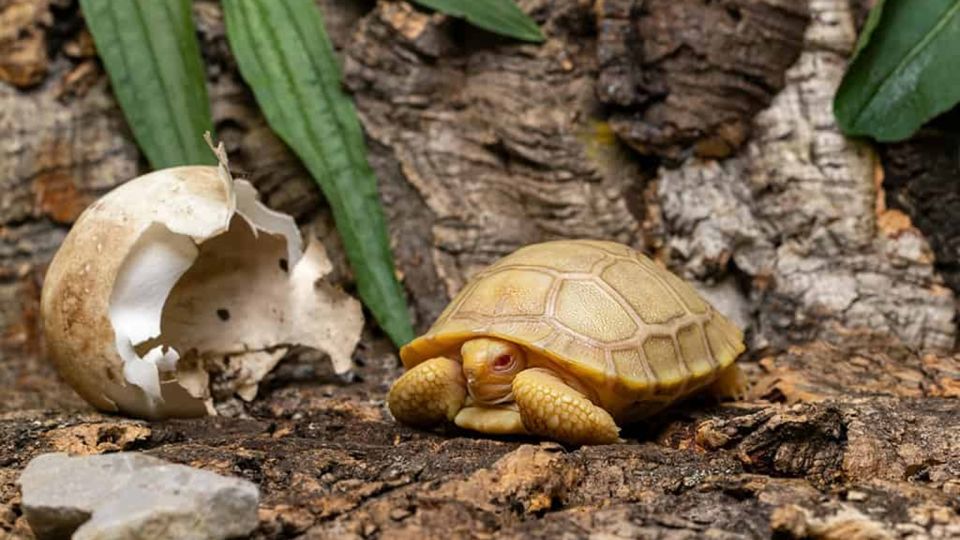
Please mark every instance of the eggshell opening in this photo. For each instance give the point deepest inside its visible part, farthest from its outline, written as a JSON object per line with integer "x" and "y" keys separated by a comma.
{"x": 179, "y": 273}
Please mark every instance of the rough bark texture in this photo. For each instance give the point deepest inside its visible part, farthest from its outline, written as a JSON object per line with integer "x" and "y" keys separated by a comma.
{"x": 501, "y": 143}
{"x": 800, "y": 214}
{"x": 921, "y": 180}
{"x": 23, "y": 51}
{"x": 481, "y": 145}
{"x": 689, "y": 75}
{"x": 836, "y": 444}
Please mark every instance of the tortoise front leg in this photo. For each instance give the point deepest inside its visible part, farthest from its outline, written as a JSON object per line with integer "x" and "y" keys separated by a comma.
{"x": 429, "y": 394}
{"x": 551, "y": 408}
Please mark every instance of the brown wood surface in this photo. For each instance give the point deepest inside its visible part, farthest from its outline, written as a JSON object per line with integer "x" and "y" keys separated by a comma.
{"x": 839, "y": 257}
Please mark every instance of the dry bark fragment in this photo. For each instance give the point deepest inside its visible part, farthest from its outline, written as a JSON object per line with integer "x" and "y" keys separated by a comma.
{"x": 921, "y": 180}
{"x": 797, "y": 214}
{"x": 23, "y": 41}
{"x": 822, "y": 371}
{"x": 689, "y": 75}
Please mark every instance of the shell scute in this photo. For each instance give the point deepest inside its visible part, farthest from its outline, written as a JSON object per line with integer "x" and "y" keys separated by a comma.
{"x": 631, "y": 366}
{"x": 576, "y": 353}
{"x": 510, "y": 292}
{"x": 648, "y": 296}
{"x": 587, "y": 309}
{"x": 625, "y": 326}
{"x": 694, "y": 351}
{"x": 580, "y": 260}
{"x": 687, "y": 294}
{"x": 661, "y": 354}
{"x": 722, "y": 344}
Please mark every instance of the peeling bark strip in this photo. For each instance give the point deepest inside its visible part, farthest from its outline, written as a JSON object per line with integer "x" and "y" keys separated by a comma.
{"x": 689, "y": 75}
{"x": 800, "y": 213}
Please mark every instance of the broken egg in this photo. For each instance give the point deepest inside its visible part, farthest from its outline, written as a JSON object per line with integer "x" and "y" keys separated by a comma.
{"x": 179, "y": 276}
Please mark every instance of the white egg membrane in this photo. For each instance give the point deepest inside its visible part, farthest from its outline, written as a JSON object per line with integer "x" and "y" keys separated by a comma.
{"x": 240, "y": 297}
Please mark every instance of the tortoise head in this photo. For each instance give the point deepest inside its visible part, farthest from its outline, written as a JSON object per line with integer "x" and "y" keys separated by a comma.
{"x": 490, "y": 365}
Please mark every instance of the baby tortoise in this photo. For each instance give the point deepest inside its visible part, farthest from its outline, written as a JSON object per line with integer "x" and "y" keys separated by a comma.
{"x": 565, "y": 340}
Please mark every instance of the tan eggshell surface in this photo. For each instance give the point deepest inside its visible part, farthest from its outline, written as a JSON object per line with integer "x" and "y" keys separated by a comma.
{"x": 76, "y": 293}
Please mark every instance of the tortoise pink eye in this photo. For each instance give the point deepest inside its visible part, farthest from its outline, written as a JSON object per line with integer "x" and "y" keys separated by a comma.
{"x": 502, "y": 361}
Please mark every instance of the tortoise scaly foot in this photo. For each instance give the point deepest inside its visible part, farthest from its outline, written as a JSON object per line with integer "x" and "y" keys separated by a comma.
{"x": 731, "y": 383}
{"x": 429, "y": 394}
{"x": 551, "y": 408}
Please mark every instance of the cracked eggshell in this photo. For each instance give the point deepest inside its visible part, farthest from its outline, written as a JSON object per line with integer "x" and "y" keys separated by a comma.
{"x": 110, "y": 288}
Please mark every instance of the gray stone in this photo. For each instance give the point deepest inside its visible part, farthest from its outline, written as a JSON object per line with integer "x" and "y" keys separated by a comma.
{"x": 132, "y": 495}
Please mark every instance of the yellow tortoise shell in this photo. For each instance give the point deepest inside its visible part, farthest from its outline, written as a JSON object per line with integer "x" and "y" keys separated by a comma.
{"x": 601, "y": 312}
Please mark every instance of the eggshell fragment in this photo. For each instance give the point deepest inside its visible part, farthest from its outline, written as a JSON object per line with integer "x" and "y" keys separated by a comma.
{"x": 177, "y": 271}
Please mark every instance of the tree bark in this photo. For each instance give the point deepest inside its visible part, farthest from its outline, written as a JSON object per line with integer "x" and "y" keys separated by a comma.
{"x": 481, "y": 145}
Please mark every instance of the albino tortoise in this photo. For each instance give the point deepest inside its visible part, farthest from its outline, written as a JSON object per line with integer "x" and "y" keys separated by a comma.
{"x": 565, "y": 340}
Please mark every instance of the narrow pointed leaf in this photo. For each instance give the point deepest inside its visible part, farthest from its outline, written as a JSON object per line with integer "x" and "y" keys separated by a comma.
{"x": 906, "y": 69}
{"x": 498, "y": 16}
{"x": 285, "y": 56}
{"x": 150, "y": 51}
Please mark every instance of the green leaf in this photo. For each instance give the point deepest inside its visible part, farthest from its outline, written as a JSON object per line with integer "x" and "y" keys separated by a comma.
{"x": 498, "y": 16}
{"x": 150, "y": 51}
{"x": 868, "y": 27}
{"x": 905, "y": 72}
{"x": 284, "y": 54}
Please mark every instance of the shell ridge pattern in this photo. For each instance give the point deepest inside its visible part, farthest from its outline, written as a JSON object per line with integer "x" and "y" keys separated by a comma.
{"x": 603, "y": 263}
{"x": 546, "y": 342}
{"x": 711, "y": 357}
{"x": 552, "y": 295}
{"x": 504, "y": 300}
{"x": 559, "y": 334}
{"x": 669, "y": 328}
{"x": 611, "y": 365}
{"x": 453, "y": 310}
{"x": 652, "y": 379}
{"x": 687, "y": 377}
{"x": 542, "y": 270}
{"x": 666, "y": 285}
{"x": 701, "y": 319}
{"x": 599, "y": 246}
{"x": 645, "y": 329}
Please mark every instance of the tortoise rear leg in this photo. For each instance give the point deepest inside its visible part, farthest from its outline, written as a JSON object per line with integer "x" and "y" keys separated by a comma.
{"x": 551, "y": 408}
{"x": 731, "y": 383}
{"x": 429, "y": 394}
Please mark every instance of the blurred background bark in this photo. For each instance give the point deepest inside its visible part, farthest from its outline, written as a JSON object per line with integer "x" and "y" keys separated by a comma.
{"x": 698, "y": 131}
